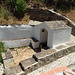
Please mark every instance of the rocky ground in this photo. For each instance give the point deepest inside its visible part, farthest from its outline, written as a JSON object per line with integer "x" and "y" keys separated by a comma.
{"x": 1, "y": 69}
{"x": 64, "y": 61}
{"x": 22, "y": 53}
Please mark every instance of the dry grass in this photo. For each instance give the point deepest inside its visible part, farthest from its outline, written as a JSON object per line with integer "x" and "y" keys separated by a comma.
{"x": 13, "y": 20}
{"x": 7, "y": 17}
{"x": 70, "y": 15}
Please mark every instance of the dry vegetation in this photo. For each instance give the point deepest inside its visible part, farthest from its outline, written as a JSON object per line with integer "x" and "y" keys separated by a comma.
{"x": 8, "y": 18}
{"x": 70, "y": 14}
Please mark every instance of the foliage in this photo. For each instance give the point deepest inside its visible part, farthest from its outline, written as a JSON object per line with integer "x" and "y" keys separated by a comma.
{"x": 6, "y": 14}
{"x": 65, "y": 4}
{"x": 1, "y": 50}
{"x": 11, "y": 3}
{"x": 60, "y": 4}
{"x": 17, "y": 6}
{"x": 20, "y": 8}
{"x": 30, "y": 44}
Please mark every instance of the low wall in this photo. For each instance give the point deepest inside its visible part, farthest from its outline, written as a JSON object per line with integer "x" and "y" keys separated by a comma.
{"x": 16, "y": 43}
{"x": 16, "y": 32}
{"x": 43, "y": 58}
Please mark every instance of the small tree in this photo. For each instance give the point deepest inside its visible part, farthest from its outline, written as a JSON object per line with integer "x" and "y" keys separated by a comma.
{"x": 20, "y": 8}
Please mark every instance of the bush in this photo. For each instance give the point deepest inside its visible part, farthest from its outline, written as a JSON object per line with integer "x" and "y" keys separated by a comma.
{"x": 18, "y": 7}
{"x": 6, "y": 14}
{"x": 1, "y": 50}
{"x": 65, "y": 4}
{"x": 30, "y": 45}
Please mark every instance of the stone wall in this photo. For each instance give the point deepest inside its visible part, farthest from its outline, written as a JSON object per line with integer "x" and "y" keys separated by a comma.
{"x": 40, "y": 59}
{"x": 47, "y": 57}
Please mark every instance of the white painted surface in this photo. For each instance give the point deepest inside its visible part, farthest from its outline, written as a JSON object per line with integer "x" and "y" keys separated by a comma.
{"x": 53, "y": 37}
{"x": 16, "y": 32}
{"x": 60, "y": 73}
{"x": 35, "y": 44}
{"x": 31, "y": 22}
{"x": 37, "y": 33}
{"x": 61, "y": 36}
{"x": 17, "y": 43}
{"x": 43, "y": 35}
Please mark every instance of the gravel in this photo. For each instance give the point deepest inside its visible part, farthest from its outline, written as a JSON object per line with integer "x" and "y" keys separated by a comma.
{"x": 64, "y": 61}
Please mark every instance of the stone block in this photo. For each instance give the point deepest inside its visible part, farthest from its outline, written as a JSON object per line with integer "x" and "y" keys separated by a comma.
{"x": 8, "y": 54}
{"x": 29, "y": 65}
{"x": 3, "y": 55}
{"x": 71, "y": 49}
{"x": 44, "y": 54}
{"x": 8, "y": 63}
{"x": 14, "y": 71}
{"x": 44, "y": 57}
{"x": 35, "y": 43}
{"x": 59, "y": 54}
{"x": 60, "y": 47}
{"x": 70, "y": 44}
{"x": 65, "y": 52}
{"x": 52, "y": 58}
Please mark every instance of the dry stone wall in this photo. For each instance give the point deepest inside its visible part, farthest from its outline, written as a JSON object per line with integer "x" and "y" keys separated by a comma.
{"x": 40, "y": 59}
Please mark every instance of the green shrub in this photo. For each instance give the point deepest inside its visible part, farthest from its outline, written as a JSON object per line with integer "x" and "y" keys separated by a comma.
{"x": 30, "y": 45}
{"x": 65, "y": 4}
{"x": 20, "y": 8}
{"x": 1, "y": 50}
{"x": 6, "y": 14}
{"x": 11, "y": 3}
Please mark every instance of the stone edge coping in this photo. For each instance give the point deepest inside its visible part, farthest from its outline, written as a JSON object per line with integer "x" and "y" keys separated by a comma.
{"x": 29, "y": 65}
{"x": 14, "y": 70}
{"x": 38, "y": 58}
{"x": 34, "y": 63}
{"x": 34, "y": 40}
{"x": 65, "y": 47}
{"x": 45, "y": 55}
{"x": 5, "y": 57}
